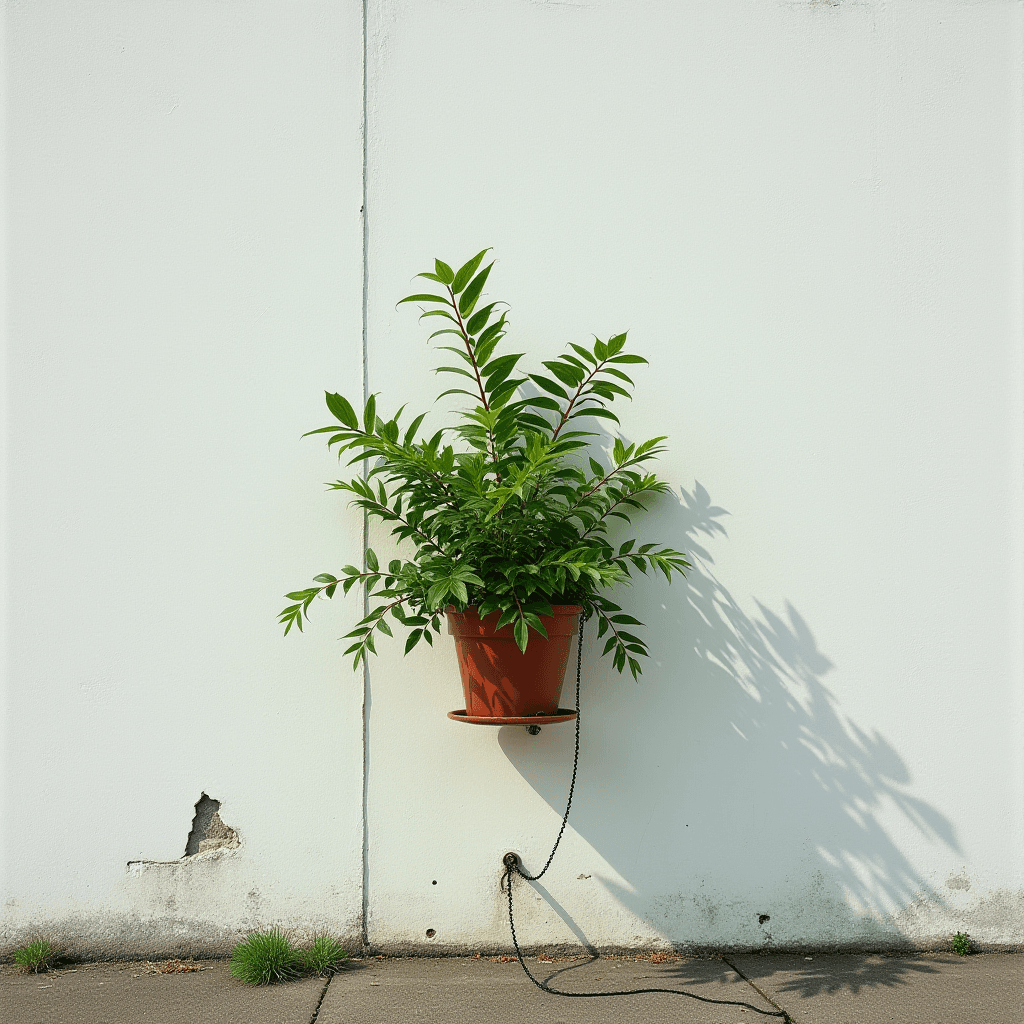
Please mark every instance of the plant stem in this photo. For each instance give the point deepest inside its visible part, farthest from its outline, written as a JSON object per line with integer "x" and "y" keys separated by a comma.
{"x": 479, "y": 382}
{"x": 405, "y": 522}
{"x": 572, "y": 401}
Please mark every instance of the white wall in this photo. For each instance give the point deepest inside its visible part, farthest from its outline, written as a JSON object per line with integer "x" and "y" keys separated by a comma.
{"x": 184, "y": 279}
{"x": 809, "y": 217}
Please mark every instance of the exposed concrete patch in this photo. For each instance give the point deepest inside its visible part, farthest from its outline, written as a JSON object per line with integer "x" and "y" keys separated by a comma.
{"x": 208, "y": 835}
{"x": 208, "y": 830}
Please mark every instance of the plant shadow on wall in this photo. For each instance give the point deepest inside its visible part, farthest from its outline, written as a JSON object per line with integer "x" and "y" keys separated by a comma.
{"x": 733, "y": 800}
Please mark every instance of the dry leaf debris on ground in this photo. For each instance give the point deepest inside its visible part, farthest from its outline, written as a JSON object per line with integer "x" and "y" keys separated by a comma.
{"x": 171, "y": 967}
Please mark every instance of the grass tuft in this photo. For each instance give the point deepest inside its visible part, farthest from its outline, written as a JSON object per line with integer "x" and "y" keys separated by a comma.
{"x": 324, "y": 956}
{"x": 961, "y": 944}
{"x": 265, "y": 958}
{"x": 36, "y": 957}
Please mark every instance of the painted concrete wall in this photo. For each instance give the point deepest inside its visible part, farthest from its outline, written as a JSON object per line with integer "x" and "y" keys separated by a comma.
{"x": 183, "y": 245}
{"x": 808, "y": 217}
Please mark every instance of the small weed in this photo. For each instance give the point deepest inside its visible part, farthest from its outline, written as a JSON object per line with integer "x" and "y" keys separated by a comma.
{"x": 36, "y": 957}
{"x": 265, "y": 958}
{"x": 324, "y": 956}
{"x": 961, "y": 944}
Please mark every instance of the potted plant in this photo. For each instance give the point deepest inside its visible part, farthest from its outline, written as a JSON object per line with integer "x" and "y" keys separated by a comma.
{"x": 504, "y": 513}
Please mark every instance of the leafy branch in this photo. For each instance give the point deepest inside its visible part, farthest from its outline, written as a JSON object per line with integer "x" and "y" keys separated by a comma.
{"x": 508, "y": 508}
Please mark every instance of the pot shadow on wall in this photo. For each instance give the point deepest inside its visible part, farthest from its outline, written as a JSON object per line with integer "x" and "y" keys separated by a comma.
{"x": 735, "y": 803}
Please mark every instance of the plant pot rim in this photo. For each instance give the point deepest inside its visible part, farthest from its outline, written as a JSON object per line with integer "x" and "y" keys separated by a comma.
{"x": 562, "y": 622}
{"x": 557, "y": 609}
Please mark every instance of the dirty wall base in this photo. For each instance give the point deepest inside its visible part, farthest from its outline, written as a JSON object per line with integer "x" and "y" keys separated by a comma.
{"x": 129, "y": 937}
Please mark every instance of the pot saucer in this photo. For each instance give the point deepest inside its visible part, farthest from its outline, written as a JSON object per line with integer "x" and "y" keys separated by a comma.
{"x": 561, "y": 715}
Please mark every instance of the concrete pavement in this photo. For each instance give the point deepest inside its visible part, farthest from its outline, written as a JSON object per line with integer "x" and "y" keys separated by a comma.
{"x": 466, "y": 991}
{"x": 126, "y": 994}
{"x": 825, "y": 989}
{"x": 930, "y": 988}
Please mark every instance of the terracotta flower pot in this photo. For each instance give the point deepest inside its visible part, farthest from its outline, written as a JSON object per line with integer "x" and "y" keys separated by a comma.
{"x": 498, "y": 679}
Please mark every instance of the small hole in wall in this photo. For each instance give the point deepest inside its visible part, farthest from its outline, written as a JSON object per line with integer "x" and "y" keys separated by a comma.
{"x": 431, "y": 933}
{"x": 761, "y": 918}
{"x": 434, "y": 882}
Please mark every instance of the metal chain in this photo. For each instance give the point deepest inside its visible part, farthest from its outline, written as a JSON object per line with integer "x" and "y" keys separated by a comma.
{"x": 514, "y": 866}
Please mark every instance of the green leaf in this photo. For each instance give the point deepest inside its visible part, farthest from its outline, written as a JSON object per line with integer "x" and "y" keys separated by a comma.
{"x": 534, "y": 620}
{"x": 498, "y": 370}
{"x": 466, "y": 271}
{"x": 503, "y": 392}
{"x": 549, "y": 385}
{"x": 626, "y": 620}
{"x": 583, "y": 352}
{"x": 567, "y": 374}
{"x": 489, "y": 336}
{"x": 341, "y": 410}
{"x": 593, "y": 410}
{"x": 444, "y": 272}
{"x": 414, "y": 639}
{"x": 521, "y": 633}
{"x": 370, "y": 414}
{"x": 477, "y": 321}
{"x": 543, "y": 402}
{"x": 440, "y": 312}
{"x": 508, "y": 616}
{"x": 628, "y": 358}
{"x": 614, "y": 373}
{"x": 413, "y": 427}
{"x": 371, "y": 560}
{"x": 467, "y": 300}
{"x": 425, "y": 297}
{"x": 456, "y": 391}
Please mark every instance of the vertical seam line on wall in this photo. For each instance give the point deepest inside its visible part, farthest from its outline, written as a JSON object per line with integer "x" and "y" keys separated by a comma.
{"x": 366, "y": 521}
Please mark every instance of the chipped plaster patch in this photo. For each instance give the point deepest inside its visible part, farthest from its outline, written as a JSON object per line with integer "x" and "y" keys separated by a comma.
{"x": 208, "y": 830}
{"x": 208, "y": 836}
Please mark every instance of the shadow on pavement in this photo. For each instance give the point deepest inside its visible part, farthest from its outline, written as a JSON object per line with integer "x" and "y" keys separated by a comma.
{"x": 847, "y": 972}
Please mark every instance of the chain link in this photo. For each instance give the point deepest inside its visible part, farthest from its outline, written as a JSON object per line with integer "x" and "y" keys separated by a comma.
{"x": 513, "y": 866}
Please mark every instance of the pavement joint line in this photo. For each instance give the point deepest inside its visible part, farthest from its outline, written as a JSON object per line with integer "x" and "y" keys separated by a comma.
{"x": 320, "y": 1001}
{"x": 764, "y": 995}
